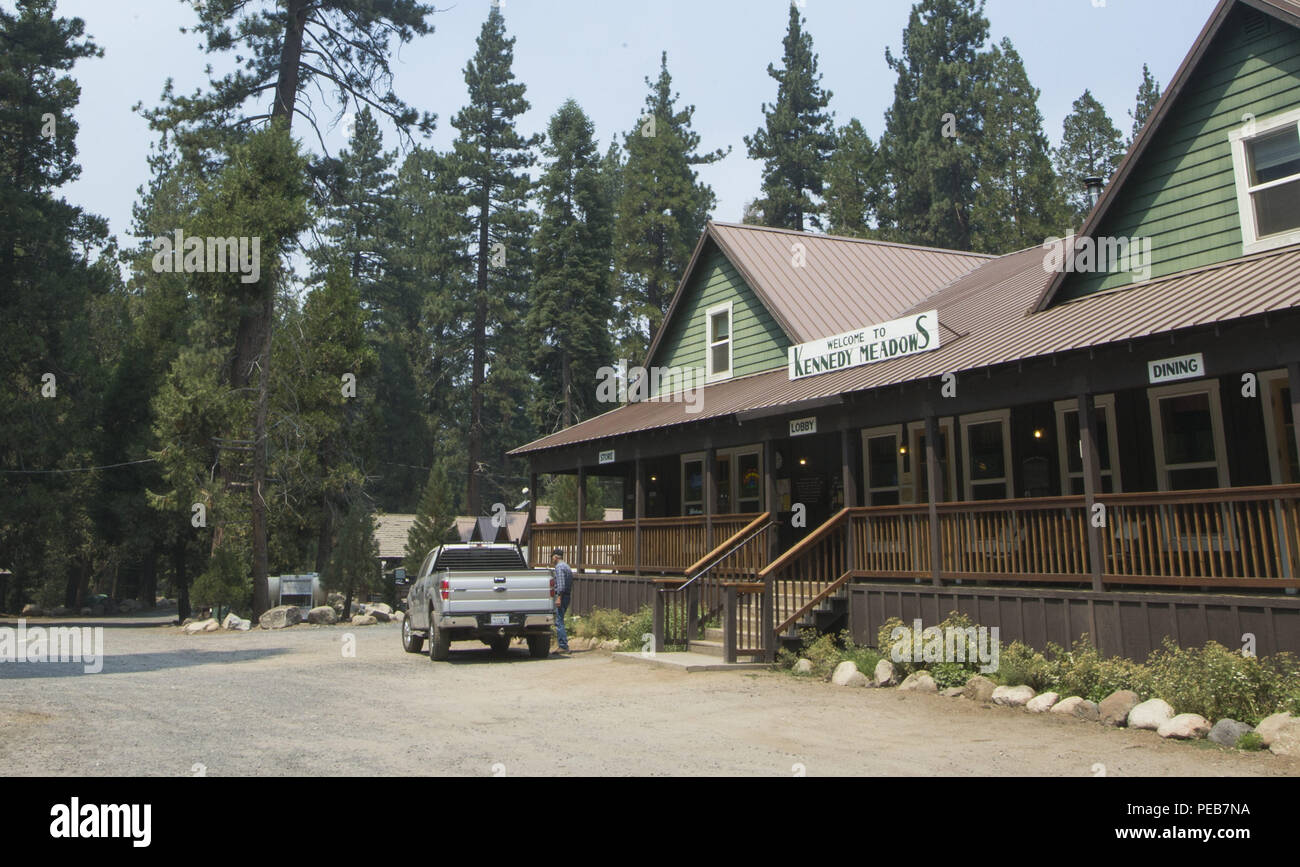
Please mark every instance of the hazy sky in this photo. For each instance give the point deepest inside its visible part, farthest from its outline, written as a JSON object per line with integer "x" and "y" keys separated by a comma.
{"x": 600, "y": 51}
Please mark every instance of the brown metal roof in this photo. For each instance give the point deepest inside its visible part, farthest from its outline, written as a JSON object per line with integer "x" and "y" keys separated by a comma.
{"x": 987, "y": 309}
{"x": 1287, "y": 11}
{"x": 842, "y": 283}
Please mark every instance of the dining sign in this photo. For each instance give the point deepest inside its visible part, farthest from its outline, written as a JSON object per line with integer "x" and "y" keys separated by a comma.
{"x": 906, "y": 336}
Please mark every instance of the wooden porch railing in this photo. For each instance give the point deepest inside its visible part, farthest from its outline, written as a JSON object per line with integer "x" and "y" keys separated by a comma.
{"x": 669, "y": 546}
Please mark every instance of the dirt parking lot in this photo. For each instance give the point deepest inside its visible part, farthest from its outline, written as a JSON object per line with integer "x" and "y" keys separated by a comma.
{"x": 290, "y": 703}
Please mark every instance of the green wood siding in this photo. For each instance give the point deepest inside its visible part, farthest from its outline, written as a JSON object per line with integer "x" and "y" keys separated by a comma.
{"x": 1182, "y": 193}
{"x": 759, "y": 344}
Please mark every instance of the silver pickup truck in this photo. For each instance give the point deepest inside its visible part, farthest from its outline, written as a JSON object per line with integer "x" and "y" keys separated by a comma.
{"x": 478, "y": 591}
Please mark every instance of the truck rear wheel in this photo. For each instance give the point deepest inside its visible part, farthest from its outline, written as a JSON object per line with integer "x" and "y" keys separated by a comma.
{"x": 411, "y": 642}
{"x": 539, "y": 646}
{"x": 439, "y": 639}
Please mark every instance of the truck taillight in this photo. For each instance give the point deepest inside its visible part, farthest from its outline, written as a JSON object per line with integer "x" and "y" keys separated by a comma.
{"x": 552, "y": 586}
{"x": 445, "y": 589}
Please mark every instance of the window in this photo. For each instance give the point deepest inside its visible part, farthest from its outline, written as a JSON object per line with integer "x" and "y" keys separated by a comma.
{"x": 1279, "y": 427}
{"x": 1188, "y": 429}
{"x": 693, "y": 484}
{"x": 1266, "y": 161}
{"x": 883, "y": 460}
{"x": 986, "y": 455}
{"x": 737, "y": 478}
{"x": 947, "y": 464}
{"x": 1071, "y": 445}
{"x": 717, "y": 326}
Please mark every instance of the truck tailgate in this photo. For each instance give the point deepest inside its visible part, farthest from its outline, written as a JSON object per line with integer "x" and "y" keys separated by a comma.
{"x": 506, "y": 592}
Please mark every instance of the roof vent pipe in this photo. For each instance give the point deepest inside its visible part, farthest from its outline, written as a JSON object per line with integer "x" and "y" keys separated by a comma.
{"x": 1093, "y": 187}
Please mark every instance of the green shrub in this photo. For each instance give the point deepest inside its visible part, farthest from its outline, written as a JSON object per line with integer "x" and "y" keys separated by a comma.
{"x": 1250, "y": 741}
{"x": 1021, "y": 665}
{"x": 945, "y": 672}
{"x": 826, "y": 651}
{"x": 603, "y": 624}
{"x": 1083, "y": 671}
{"x": 1216, "y": 682}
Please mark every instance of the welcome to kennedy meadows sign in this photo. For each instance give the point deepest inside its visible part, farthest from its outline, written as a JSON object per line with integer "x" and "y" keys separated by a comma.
{"x": 906, "y": 336}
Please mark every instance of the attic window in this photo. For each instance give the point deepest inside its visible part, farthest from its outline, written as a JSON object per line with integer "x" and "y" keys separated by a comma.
{"x": 717, "y": 327}
{"x": 1266, "y": 159}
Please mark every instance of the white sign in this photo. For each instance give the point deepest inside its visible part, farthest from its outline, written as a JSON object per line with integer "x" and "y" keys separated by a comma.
{"x": 906, "y": 336}
{"x": 1174, "y": 369}
{"x": 803, "y": 426}
{"x": 607, "y": 457}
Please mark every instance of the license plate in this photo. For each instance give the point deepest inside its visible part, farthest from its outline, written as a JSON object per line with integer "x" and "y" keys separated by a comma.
{"x": 500, "y": 619}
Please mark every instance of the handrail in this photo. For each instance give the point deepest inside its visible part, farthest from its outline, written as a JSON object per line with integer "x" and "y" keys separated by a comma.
{"x": 815, "y": 601}
{"x": 807, "y": 541}
{"x": 764, "y": 519}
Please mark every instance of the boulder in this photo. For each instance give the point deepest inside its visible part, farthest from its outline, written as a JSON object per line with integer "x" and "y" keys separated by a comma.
{"x": 31, "y": 609}
{"x": 1150, "y": 715}
{"x": 99, "y": 610}
{"x": 1286, "y": 739}
{"x": 1185, "y": 727}
{"x": 803, "y": 666}
{"x": 884, "y": 674}
{"x": 60, "y": 611}
{"x": 211, "y": 625}
{"x": 1115, "y": 708}
{"x": 1013, "y": 696}
{"x": 85, "y": 611}
{"x": 194, "y": 627}
{"x": 980, "y": 688}
{"x": 128, "y": 606}
{"x": 952, "y": 692}
{"x": 399, "y": 616}
{"x": 1043, "y": 703}
{"x": 919, "y": 681}
{"x": 280, "y": 617}
{"x": 1269, "y": 726}
{"x": 847, "y": 674}
{"x": 323, "y": 615}
{"x": 377, "y": 608}
{"x": 235, "y": 623}
{"x": 1077, "y": 707}
{"x": 363, "y": 620}
{"x": 608, "y": 644}
{"x": 1226, "y": 732}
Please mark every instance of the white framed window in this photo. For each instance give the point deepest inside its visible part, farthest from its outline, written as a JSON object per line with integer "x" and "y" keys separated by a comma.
{"x": 737, "y": 478}
{"x": 1187, "y": 425}
{"x": 885, "y": 465}
{"x": 1266, "y": 163}
{"x": 693, "y": 483}
{"x": 718, "y": 344}
{"x": 986, "y": 455}
{"x": 1279, "y": 427}
{"x": 1070, "y": 445}
{"x": 917, "y": 479}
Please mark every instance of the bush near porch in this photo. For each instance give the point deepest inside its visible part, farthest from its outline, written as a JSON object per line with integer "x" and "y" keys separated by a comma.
{"x": 609, "y": 624}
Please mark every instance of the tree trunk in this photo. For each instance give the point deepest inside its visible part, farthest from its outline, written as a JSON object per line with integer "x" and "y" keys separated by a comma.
{"x": 261, "y": 590}
{"x": 147, "y": 593}
{"x": 325, "y": 542}
{"x": 180, "y": 579}
{"x": 473, "y": 496}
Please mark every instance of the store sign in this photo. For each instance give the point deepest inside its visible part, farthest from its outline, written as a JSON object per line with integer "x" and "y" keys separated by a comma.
{"x": 1175, "y": 369}
{"x": 800, "y": 427}
{"x": 906, "y": 336}
{"x": 607, "y": 457}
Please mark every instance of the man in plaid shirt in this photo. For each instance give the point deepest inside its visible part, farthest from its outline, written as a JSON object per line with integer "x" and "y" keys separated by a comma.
{"x": 563, "y": 589}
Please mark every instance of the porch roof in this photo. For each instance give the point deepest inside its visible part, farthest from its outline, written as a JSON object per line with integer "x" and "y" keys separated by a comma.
{"x": 985, "y": 323}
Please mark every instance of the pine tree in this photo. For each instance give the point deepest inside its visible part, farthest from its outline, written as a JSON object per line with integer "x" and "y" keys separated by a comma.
{"x": 1017, "y": 205}
{"x": 433, "y": 519}
{"x": 571, "y": 306}
{"x": 661, "y": 213}
{"x": 354, "y": 564}
{"x": 853, "y": 180}
{"x": 797, "y": 137}
{"x": 934, "y": 128}
{"x": 1147, "y": 96}
{"x": 562, "y": 496}
{"x": 1091, "y": 146}
{"x": 493, "y": 159}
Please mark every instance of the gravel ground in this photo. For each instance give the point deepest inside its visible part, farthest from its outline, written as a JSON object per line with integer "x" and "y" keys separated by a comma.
{"x": 290, "y": 703}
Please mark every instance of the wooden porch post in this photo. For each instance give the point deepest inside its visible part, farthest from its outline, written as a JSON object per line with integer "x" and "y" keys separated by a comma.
{"x": 769, "y": 497}
{"x": 1293, "y": 381}
{"x": 935, "y": 491}
{"x": 639, "y": 511}
{"x": 532, "y": 508}
{"x": 1091, "y": 484}
{"x": 850, "y": 498}
{"x": 710, "y": 494}
{"x": 582, "y": 509}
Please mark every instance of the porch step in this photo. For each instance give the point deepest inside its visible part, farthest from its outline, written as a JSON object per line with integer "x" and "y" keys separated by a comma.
{"x": 715, "y": 648}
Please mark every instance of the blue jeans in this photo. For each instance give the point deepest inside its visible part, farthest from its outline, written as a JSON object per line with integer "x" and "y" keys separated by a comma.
{"x": 560, "y": 607}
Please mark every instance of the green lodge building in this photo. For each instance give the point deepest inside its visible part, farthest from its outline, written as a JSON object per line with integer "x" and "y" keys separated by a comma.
{"x": 1092, "y": 436}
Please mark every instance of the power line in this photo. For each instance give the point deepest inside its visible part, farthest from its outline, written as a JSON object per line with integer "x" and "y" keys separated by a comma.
{"x": 80, "y": 469}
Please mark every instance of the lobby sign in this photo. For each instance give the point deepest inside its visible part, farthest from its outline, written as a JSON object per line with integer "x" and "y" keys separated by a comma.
{"x": 875, "y": 343}
{"x": 800, "y": 427}
{"x": 1175, "y": 369}
{"x": 607, "y": 457}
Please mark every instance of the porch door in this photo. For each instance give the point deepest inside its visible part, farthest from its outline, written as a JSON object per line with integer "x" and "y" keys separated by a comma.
{"x": 1280, "y": 428}
{"x": 884, "y": 458}
{"x": 724, "y": 481}
{"x": 947, "y": 464}
{"x": 1071, "y": 445}
{"x": 749, "y": 481}
{"x": 693, "y": 484}
{"x": 1188, "y": 428}
{"x": 986, "y": 455}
